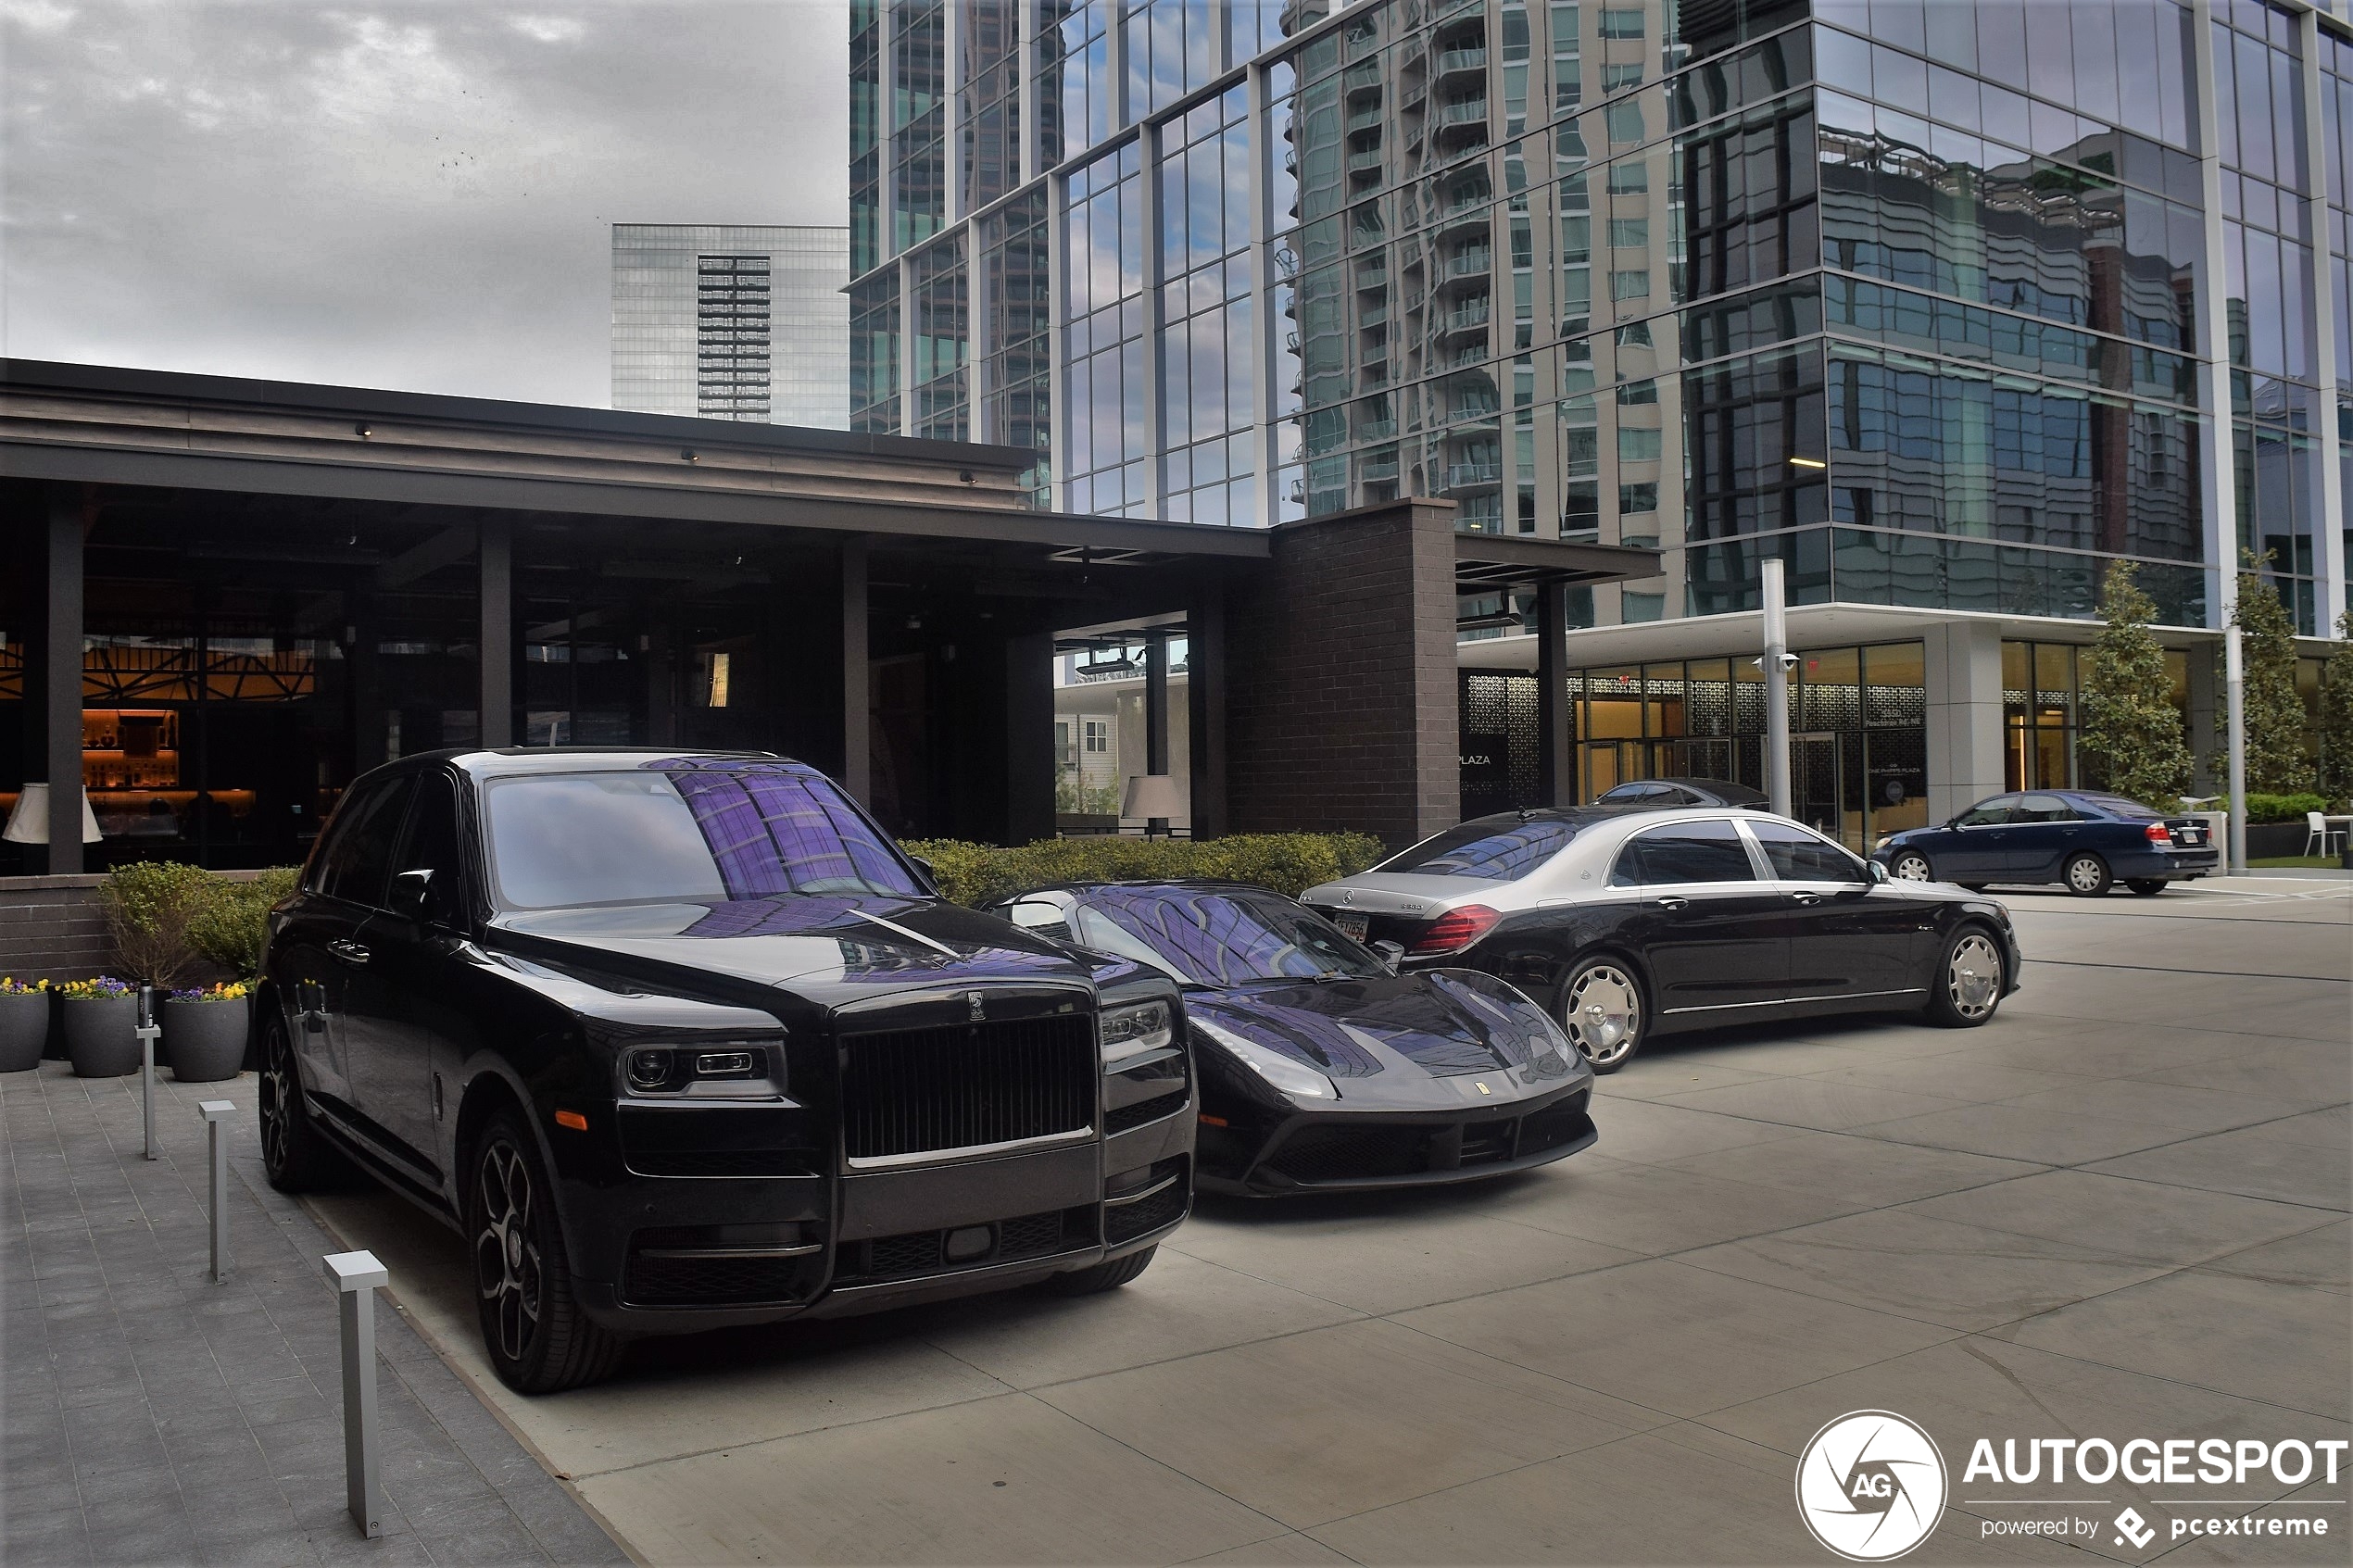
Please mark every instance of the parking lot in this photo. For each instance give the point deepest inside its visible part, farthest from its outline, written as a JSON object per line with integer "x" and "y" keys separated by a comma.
{"x": 2118, "y": 1210}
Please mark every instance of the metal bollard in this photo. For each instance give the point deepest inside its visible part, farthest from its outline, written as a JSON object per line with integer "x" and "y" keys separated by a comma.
{"x": 216, "y": 1117}
{"x": 357, "y": 1274}
{"x": 148, "y": 1032}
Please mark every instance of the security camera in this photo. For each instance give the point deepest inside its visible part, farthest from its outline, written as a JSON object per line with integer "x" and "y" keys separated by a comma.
{"x": 1789, "y": 663}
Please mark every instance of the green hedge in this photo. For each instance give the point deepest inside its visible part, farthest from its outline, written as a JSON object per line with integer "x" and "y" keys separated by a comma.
{"x": 165, "y": 915}
{"x": 1289, "y": 862}
{"x": 2281, "y": 808}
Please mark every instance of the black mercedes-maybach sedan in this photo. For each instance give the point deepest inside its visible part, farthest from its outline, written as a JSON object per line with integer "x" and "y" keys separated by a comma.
{"x": 1630, "y": 924}
{"x": 684, "y": 1041}
{"x": 1322, "y": 1067}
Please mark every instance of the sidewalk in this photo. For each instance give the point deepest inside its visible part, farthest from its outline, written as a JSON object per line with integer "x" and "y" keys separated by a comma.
{"x": 151, "y": 1416}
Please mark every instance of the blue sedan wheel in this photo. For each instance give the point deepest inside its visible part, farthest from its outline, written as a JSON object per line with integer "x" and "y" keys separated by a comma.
{"x": 1911, "y": 865}
{"x": 2086, "y": 875}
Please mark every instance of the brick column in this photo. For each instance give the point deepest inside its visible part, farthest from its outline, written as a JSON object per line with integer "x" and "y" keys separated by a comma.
{"x": 1342, "y": 696}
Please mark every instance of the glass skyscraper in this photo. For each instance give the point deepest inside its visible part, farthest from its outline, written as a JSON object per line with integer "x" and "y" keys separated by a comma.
{"x": 732, "y": 321}
{"x": 1946, "y": 304}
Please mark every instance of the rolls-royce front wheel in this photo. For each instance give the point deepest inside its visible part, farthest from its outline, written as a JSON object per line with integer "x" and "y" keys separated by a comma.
{"x": 295, "y": 1155}
{"x": 538, "y": 1340}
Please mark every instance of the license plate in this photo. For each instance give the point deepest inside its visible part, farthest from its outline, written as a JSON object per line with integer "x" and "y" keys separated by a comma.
{"x": 1352, "y": 924}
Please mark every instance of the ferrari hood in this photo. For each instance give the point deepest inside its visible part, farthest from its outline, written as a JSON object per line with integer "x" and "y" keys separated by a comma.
{"x": 1428, "y": 1025}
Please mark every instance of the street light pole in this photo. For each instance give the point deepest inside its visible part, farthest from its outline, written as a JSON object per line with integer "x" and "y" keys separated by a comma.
{"x": 1776, "y": 688}
{"x": 2234, "y": 700}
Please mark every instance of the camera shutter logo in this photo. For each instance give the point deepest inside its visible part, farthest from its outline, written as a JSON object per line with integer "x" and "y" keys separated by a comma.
{"x": 1870, "y": 1485}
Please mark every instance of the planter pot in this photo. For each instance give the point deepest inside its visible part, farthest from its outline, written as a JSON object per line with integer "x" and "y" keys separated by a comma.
{"x": 205, "y": 1041}
{"x": 24, "y": 1030}
{"x": 99, "y": 1038}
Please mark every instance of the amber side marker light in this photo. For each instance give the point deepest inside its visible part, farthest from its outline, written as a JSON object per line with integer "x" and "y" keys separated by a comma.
{"x": 1208, "y": 1121}
{"x": 572, "y": 1118}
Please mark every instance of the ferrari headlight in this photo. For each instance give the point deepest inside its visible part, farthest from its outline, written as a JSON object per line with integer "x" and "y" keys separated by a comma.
{"x": 1132, "y": 1031}
{"x": 1295, "y": 1078}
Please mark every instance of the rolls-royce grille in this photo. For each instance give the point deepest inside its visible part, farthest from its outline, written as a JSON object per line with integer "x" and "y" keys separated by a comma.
{"x": 1127, "y": 1116}
{"x": 913, "y": 1091}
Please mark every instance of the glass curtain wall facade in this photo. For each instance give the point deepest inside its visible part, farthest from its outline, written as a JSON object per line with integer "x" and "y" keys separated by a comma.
{"x": 731, "y": 321}
{"x": 1935, "y": 302}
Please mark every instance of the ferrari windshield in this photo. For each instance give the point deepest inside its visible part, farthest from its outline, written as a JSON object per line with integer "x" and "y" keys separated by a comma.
{"x": 679, "y": 830}
{"x": 1218, "y": 938}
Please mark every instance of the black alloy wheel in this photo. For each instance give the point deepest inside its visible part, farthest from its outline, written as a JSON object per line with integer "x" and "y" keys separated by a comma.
{"x": 2086, "y": 875}
{"x": 1968, "y": 983}
{"x": 1602, "y": 1011}
{"x": 295, "y": 1155}
{"x": 538, "y": 1340}
{"x": 1911, "y": 865}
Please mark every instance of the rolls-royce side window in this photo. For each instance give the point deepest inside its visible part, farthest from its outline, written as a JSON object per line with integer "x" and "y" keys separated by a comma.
{"x": 1484, "y": 853}
{"x": 1683, "y": 852}
{"x": 1796, "y": 855}
{"x": 355, "y": 865}
{"x": 693, "y": 834}
{"x": 433, "y": 846}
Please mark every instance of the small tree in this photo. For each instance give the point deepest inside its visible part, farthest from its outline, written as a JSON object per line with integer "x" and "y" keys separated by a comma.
{"x": 148, "y": 906}
{"x": 2276, "y": 721}
{"x": 2336, "y": 714}
{"x": 2131, "y": 732}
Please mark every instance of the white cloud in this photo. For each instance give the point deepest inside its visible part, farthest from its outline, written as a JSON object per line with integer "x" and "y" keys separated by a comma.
{"x": 413, "y": 195}
{"x": 549, "y": 30}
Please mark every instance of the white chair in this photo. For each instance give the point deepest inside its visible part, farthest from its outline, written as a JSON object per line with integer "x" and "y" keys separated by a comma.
{"x": 2317, "y": 830}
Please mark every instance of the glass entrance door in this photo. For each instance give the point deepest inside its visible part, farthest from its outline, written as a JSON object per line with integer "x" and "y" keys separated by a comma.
{"x": 1813, "y": 781}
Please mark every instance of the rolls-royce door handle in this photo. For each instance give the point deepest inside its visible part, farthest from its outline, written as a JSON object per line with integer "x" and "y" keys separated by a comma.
{"x": 348, "y": 951}
{"x": 1672, "y": 902}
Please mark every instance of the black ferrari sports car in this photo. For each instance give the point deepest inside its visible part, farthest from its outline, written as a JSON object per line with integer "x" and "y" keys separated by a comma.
{"x": 1320, "y": 1066}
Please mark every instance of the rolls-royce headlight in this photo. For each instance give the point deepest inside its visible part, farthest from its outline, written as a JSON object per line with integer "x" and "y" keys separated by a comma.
{"x": 1295, "y": 1078}
{"x": 1132, "y": 1031}
{"x": 704, "y": 1070}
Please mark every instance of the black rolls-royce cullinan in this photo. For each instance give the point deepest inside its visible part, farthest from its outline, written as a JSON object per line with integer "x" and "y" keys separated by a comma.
{"x": 684, "y": 1041}
{"x": 1629, "y": 923}
{"x": 1320, "y": 1066}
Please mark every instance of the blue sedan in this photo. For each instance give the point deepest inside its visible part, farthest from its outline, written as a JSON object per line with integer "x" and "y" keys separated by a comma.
{"x": 2081, "y": 839}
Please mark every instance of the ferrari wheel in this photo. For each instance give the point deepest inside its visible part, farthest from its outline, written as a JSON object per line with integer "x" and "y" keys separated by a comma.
{"x": 1601, "y": 1010}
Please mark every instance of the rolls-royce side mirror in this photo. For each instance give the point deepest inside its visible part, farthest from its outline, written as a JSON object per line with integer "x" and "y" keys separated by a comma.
{"x": 410, "y": 893}
{"x": 1878, "y": 873}
{"x": 931, "y": 872}
{"x": 1390, "y": 953}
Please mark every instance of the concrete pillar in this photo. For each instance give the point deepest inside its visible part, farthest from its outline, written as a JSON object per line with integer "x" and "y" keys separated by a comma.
{"x": 857, "y": 671}
{"x": 497, "y": 581}
{"x": 1555, "y": 762}
{"x": 1205, "y": 710}
{"x": 1964, "y": 716}
{"x": 61, "y": 681}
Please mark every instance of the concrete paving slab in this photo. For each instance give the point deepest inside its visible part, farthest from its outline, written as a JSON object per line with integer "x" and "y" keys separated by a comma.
{"x": 1937, "y": 1271}
{"x": 2016, "y": 1132}
{"x": 1842, "y": 1166}
{"x": 2255, "y": 1162}
{"x": 2322, "y": 1258}
{"x": 1005, "y": 1480}
{"x": 1381, "y": 1257}
{"x": 1649, "y": 1210}
{"x": 1323, "y": 1441}
{"x": 1673, "y": 1337}
{"x": 2139, "y": 1220}
{"x": 2288, "y": 1345}
{"x": 1824, "y": 1104}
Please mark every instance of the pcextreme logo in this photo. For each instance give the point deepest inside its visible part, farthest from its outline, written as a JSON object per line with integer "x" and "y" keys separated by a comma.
{"x": 1870, "y": 1485}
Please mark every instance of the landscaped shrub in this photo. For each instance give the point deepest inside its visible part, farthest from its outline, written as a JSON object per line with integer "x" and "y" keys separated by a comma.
{"x": 1290, "y": 863}
{"x": 233, "y": 922}
{"x": 148, "y": 906}
{"x": 2281, "y": 808}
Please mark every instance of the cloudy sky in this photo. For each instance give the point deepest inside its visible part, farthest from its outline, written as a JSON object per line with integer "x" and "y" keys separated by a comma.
{"x": 409, "y": 194}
